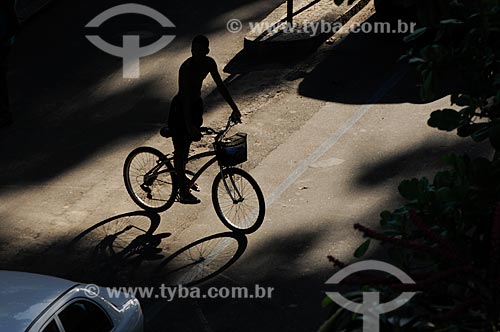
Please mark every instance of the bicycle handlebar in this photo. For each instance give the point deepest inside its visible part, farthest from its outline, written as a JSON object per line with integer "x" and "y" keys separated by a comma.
{"x": 207, "y": 131}
{"x": 210, "y": 131}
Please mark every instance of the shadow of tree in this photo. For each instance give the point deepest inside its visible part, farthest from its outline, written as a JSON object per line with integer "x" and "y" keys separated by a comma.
{"x": 428, "y": 156}
{"x": 63, "y": 113}
{"x": 360, "y": 64}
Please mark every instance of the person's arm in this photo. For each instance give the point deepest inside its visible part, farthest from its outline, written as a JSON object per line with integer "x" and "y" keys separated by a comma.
{"x": 236, "y": 115}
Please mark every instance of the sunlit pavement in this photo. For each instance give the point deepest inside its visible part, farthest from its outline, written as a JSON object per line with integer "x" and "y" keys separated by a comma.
{"x": 330, "y": 138}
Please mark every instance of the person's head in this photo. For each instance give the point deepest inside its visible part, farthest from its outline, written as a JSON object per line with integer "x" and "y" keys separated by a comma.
{"x": 200, "y": 46}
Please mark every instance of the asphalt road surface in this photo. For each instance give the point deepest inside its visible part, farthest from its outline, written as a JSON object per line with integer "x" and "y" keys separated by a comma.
{"x": 330, "y": 137}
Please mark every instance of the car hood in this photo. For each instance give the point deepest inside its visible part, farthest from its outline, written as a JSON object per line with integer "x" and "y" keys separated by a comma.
{"x": 24, "y": 296}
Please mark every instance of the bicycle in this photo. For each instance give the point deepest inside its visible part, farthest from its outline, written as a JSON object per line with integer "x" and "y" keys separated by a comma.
{"x": 151, "y": 180}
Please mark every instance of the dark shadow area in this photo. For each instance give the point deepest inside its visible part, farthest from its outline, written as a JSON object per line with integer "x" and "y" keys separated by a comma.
{"x": 357, "y": 68}
{"x": 44, "y": 148}
{"x": 61, "y": 114}
{"x": 360, "y": 65}
{"x": 277, "y": 262}
{"x": 427, "y": 155}
{"x": 53, "y": 53}
{"x": 123, "y": 250}
{"x": 29, "y": 9}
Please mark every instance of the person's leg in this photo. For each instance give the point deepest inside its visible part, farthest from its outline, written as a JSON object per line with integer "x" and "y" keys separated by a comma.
{"x": 180, "y": 159}
{"x": 181, "y": 153}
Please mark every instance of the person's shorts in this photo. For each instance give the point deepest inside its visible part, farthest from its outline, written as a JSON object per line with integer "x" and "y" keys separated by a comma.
{"x": 176, "y": 117}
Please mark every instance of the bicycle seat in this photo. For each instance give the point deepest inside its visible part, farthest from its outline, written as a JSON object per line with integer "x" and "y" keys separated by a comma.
{"x": 166, "y": 132}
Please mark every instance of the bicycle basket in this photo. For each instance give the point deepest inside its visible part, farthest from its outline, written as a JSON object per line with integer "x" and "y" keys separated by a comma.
{"x": 232, "y": 150}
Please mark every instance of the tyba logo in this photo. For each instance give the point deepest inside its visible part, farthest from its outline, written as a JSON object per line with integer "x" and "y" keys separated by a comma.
{"x": 371, "y": 308}
{"x": 130, "y": 51}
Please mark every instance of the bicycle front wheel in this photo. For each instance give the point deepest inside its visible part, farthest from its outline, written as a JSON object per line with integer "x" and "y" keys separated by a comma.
{"x": 150, "y": 179}
{"x": 238, "y": 200}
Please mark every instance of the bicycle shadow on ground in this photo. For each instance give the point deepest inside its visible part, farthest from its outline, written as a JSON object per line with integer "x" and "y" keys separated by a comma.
{"x": 128, "y": 249}
{"x": 114, "y": 249}
{"x": 199, "y": 261}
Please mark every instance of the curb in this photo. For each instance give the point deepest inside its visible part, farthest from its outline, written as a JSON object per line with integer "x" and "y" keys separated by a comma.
{"x": 299, "y": 47}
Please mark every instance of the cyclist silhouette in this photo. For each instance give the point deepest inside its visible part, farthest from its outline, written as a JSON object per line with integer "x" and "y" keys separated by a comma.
{"x": 186, "y": 111}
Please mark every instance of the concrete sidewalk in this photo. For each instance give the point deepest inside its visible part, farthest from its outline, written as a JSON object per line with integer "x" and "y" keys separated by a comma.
{"x": 313, "y": 22}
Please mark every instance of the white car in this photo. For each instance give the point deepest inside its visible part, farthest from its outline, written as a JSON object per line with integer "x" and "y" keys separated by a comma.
{"x": 38, "y": 303}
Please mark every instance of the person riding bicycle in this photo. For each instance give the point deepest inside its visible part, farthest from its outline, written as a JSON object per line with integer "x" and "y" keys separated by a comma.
{"x": 186, "y": 111}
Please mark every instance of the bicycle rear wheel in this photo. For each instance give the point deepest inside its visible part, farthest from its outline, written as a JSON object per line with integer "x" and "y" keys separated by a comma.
{"x": 238, "y": 200}
{"x": 149, "y": 179}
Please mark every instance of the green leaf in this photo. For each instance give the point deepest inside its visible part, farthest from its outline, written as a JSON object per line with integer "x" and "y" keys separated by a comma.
{"x": 416, "y": 60}
{"x": 461, "y": 100}
{"x": 394, "y": 224}
{"x": 331, "y": 324}
{"x": 326, "y": 302}
{"x": 415, "y": 35}
{"x": 473, "y": 16}
{"x": 451, "y": 21}
{"x": 468, "y": 112}
{"x": 409, "y": 189}
{"x": 362, "y": 249}
{"x": 482, "y": 132}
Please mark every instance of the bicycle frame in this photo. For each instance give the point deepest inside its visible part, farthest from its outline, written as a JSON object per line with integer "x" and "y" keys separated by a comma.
{"x": 195, "y": 157}
{"x": 235, "y": 198}
{"x": 204, "y": 167}
{"x": 209, "y": 163}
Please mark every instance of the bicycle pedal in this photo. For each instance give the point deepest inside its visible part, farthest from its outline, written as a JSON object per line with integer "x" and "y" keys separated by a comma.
{"x": 146, "y": 188}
